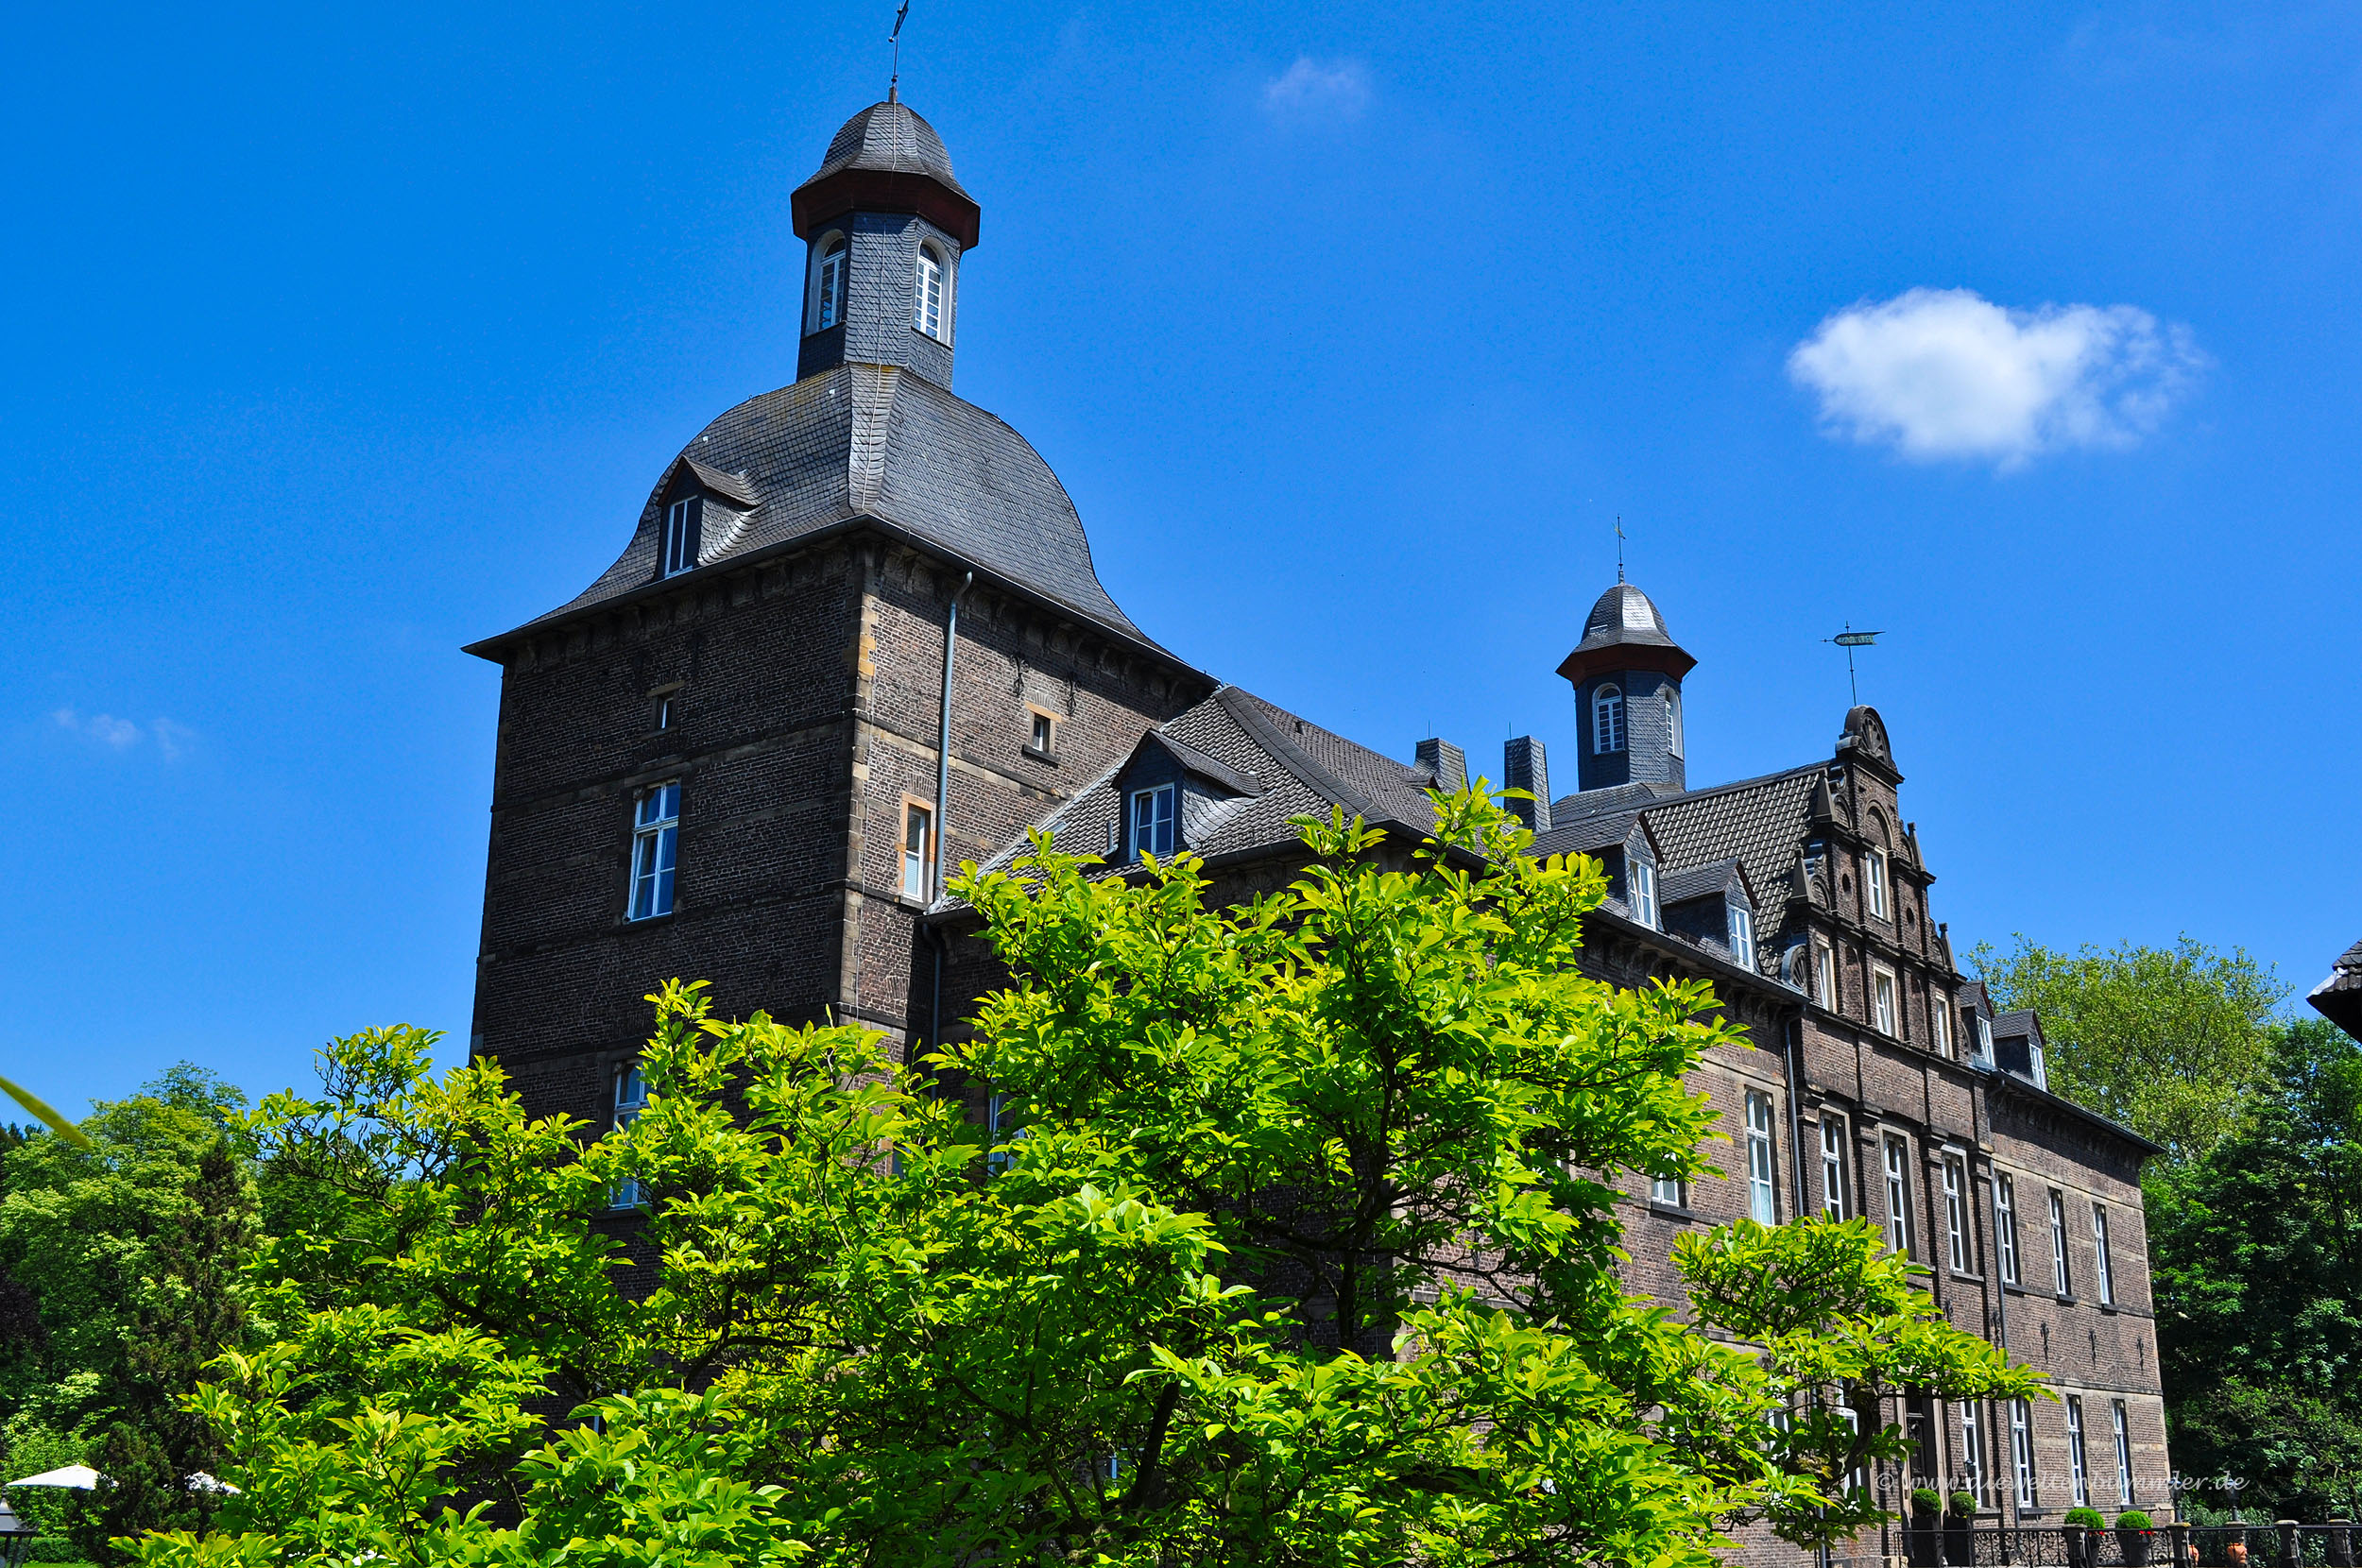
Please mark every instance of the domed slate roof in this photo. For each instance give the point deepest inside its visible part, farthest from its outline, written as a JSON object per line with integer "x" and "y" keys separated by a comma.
{"x": 888, "y": 136}
{"x": 876, "y": 442}
{"x": 1625, "y": 631}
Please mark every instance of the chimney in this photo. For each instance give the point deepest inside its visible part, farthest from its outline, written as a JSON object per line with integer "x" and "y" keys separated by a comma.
{"x": 1446, "y": 762}
{"x": 1524, "y": 766}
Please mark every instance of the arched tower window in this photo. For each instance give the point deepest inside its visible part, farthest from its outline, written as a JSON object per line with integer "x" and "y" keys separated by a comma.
{"x": 828, "y": 283}
{"x": 1607, "y": 720}
{"x": 927, "y": 299}
{"x": 1673, "y": 720}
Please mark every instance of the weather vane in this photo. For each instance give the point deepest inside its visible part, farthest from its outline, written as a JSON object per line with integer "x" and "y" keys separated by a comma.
{"x": 1849, "y": 640}
{"x": 1619, "y": 547}
{"x": 894, "y": 82}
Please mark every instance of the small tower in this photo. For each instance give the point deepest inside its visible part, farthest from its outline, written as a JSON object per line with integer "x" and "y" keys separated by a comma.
{"x": 885, "y": 226}
{"x": 1627, "y": 674}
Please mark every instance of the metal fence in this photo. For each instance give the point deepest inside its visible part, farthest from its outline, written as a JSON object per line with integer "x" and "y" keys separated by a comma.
{"x": 2276, "y": 1545}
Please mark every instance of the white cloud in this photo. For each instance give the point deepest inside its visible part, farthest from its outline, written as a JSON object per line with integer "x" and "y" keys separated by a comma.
{"x": 1945, "y": 373}
{"x": 1312, "y": 90}
{"x": 104, "y": 730}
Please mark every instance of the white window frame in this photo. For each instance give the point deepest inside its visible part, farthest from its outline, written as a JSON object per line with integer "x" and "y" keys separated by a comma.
{"x": 1899, "y": 1169}
{"x": 2124, "y": 1450}
{"x": 2106, "y": 1274}
{"x": 1673, "y": 720}
{"x": 2060, "y": 1275}
{"x": 1153, "y": 813}
{"x": 2079, "y": 1473}
{"x": 2005, "y": 1222}
{"x": 917, "y": 849}
{"x": 1955, "y": 1213}
{"x": 1875, "y": 881}
{"x": 1824, "y": 975}
{"x": 1041, "y": 731}
{"x": 680, "y": 534}
{"x": 630, "y": 1098}
{"x": 931, "y": 297}
{"x": 1742, "y": 934}
{"x": 827, "y": 281}
{"x": 1973, "y": 1449}
{"x": 1836, "y": 1190}
{"x": 1882, "y": 1008}
{"x": 654, "y": 851}
{"x": 1938, "y": 1022}
{"x": 1669, "y": 1190}
{"x": 2042, "y": 1069}
{"x": 2022, "y": 1450}
{"x": 1607, "y": 720}
{"x": 1763, "y": 1201}
{"x": 664, "y": 713}
{"x": 1640, "y": 879}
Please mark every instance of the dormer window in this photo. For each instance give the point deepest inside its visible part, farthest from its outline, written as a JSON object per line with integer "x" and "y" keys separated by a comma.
{"x": 1984, "y": 1038}
{"x": 827, "y": 284}
{"x": 1607, "y": 720}
{"x": 1642, "y": 880}
{"x": 683, "y": 520}
{"x": 1875, "y": 881}
{"x": 1153, "y": 814}
{"x": 927, "y": 299}
{"x": 1742, "y": 925}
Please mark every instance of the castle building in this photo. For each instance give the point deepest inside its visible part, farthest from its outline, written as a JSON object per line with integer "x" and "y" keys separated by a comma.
{"x": 856, "y": 636}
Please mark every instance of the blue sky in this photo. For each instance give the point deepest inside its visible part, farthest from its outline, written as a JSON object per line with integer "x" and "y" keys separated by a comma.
{"x": 337, "y": 338}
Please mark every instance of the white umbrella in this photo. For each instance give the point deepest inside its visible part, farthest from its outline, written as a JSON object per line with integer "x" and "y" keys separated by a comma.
{"x": 80, "y": 1477}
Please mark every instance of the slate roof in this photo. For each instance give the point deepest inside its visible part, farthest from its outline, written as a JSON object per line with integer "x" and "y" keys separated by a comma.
{"x": 1299, "y": 768}
{"x": 1715, "y": 877}
{"x": 891, "y": 137}
{"x": 1760, "y": 823}
{"x": 882, "y": 443}
{"x": 1622, "y": 616}
{"x": 2339, "y": 998}
{"x": 2019, "y": 1021}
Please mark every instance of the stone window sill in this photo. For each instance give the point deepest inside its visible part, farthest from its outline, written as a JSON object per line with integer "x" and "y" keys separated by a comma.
{"x": 1048, "y": 758}
{"x": 1667, "y": 1211}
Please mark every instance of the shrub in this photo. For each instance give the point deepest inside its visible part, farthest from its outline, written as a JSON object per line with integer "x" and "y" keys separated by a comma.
{"x": 2088, "y": 1517}
{"x": 1963, "y": 1504}
{"x": 2133, "y": 1519}
{"x": 1927, "y": 1500}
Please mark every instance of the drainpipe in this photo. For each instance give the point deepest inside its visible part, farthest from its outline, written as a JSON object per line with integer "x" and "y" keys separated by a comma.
{"x": 943, "y": 798}
{"x": 1792, "y": 1038}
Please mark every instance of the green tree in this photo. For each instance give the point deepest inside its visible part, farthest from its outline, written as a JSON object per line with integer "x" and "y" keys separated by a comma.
{"x": 1306, "y": 1254}
{"x": 2257, "y": 1249}
{"x": 2167, "y": 1041}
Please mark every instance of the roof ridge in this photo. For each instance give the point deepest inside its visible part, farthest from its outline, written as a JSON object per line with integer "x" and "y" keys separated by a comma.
{"x": 1687, "y": 795}
{"x": 1246, "y": 708}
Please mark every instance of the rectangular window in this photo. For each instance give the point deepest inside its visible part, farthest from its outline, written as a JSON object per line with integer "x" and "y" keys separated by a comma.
{"x": 1824, "y": 975}
{"x": 1152, "y": 821}
{"x": 2005, "y": 1222}
{"x": 1972, "y": 1450}
{"x": 2077, "y": 1477}
{"x": 1833, "y": 1183}
{"x": 681, "y": 521}
{"x": 918, "y": 849}
{"x": 1762, "y": 1194}
{"x": 1956, "y": 1212}
{"x": 1742, "y": 936}
{"x": 1882, "y": 1000}
{"x": 927, "y": 300}
{"x": 1873, "y": 876}
{"x": 1899, "y": 1196}
{"x": 2124, "y": 1453}
{"x": 664, "y": 713}
{"x": 1044, "y": 732}
{"x": 1670, "y": 1191}
{"x": 631, "y": 1098}
{"x": 1984, "y": 1038}
{"x": 831, "y": 287}
{"x": 2104, "y": 1274}
{"x": 655, "y": 845}
{"x": 1643, "y": 881}
{"x": 2059, "y": 1274}
{"x": 1938, "y": 1022}
{"x": 2042, "y": 1072}
{"x": 2021, "y": 1449}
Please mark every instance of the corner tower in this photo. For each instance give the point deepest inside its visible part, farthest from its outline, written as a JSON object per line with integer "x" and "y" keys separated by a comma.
{"x": 1627, "y": 674}
{"x": 884, "y": 225}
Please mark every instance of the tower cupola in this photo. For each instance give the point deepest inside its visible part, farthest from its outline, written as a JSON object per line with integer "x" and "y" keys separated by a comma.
{"x": 885, "y": 225}
{"x": 1627, "y": 675}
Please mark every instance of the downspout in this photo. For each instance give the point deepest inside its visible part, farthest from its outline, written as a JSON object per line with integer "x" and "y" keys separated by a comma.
{"x": 943, "y": 799}
{"x": 1793, "y": 1039}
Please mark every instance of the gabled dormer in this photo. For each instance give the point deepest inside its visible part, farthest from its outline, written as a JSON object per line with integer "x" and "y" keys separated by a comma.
{"x": 1169, "y": 795}
{"x": 1714, "y": 906}
{"x": 701, "y": 512}
{"x": 1623, "y": 846}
